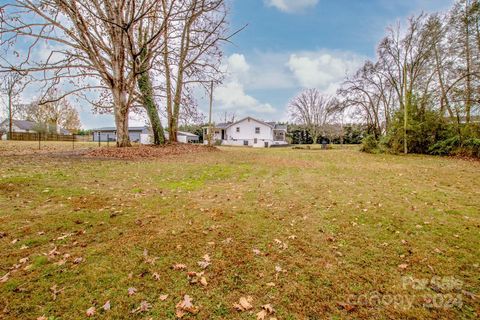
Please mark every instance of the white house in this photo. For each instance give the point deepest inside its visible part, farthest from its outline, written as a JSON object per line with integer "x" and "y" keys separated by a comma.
{"x": 249, "y": 132}
{"x": 142, "y": 135}
{"x": 25, "y": 126}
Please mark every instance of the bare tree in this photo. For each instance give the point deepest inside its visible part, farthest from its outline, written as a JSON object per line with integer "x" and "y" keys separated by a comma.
{"x": 228, "y": 117}
{"x": 12, "y": 85}
{"x": 406, "y": 58}
{"x": 94, "y": 46}
{"x": 313, "y": 110}
{"x": 192, "y": 52}
{"x": 55, "y": 114}
{"x": 371, "y": 94}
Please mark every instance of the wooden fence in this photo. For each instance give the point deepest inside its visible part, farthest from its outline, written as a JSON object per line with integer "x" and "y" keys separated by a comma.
{"x": 30, "y": 136}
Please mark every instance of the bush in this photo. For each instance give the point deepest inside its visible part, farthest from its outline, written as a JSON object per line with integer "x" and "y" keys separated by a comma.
{"x": 370, "y": 144}
{"x": 445, "y": 147}
{"x": 470, "y": 148}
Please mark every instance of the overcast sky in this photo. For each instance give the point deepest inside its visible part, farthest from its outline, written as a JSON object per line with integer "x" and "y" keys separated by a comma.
{"x": 293, "y": 44}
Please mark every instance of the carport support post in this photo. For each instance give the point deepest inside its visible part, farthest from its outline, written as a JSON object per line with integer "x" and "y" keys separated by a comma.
{"x": 39, "y": 138}
{"x": 73, "y": 141}
{"x": 99, "y": 138}
{"x": 108, "y": 140}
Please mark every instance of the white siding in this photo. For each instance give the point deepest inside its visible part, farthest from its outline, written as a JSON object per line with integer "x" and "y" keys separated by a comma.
{"x": 247, "y": 131}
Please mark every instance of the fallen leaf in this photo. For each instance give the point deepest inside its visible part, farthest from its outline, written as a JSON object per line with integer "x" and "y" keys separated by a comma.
{"x": 203, "y": 281}
{"x": 268, "y": 308}
{"x": 91, "y": 312}
{"x": 52, "y": 253}
{"x": 244, "y": 304}
{"x": 132, "y": 291}
{"x": 347, "y": 307}
{"x": 403, "y": 266}
{"x": 55, "y": 291}
{"x": 203, "y": 264}
{"x": 78, "y": 260}
{"x": 256, "y": 252}
{"x": 179, "y": 266}
{"x": 156, "y": 276}
{"x": 42, "y": 318}
{"x": 106, "y": 306}
{"x": 262, "y": 315}
{"x": 163, "y": 297}
{"x": 5, "y": 277}
{"x": 144, "y": 307}
{"x": 184, "y": 306}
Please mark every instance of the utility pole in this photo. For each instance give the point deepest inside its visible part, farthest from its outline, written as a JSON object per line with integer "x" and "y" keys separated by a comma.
{"x": 406, "y": 105}
{"x": 10, "y": 120}
{"x": 209, "y": 134}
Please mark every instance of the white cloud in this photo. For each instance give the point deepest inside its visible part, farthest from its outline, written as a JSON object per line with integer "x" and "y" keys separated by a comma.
{"x": 237, "y": 64}
{"x": 278, "y": 76}
{"x": 232, "y": 97}
{"x": 323, "y": 70}
{"x": 291, "y": 6}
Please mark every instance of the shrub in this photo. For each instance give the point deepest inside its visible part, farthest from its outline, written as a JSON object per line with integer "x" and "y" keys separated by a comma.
{"x": 370, "y": 144}
{"x": 445, "y": 147}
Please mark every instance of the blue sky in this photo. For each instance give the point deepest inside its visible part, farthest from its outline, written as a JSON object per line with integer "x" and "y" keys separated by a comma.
{"x": 294, "y": 44}
{"x": 289, "y": 45}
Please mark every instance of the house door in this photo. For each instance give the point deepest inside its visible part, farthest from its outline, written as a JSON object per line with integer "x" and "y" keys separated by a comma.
{"x": 223, "y": 134}
{"x": 266, "y": 144}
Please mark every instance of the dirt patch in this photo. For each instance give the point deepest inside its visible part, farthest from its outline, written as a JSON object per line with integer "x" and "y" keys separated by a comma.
{"x": 142, "y": 152}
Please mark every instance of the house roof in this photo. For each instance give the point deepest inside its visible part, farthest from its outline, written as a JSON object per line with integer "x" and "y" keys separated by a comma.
{"x": 115, "y": 129}
{"x": 278, "y": 126}
{"x": 265, "y": 123}
{"x": 30, "y": 125}
{"x": 223, "y": 125}
{"x": 273, "y": 125}
{"x": 24, "y": 124}
{"x": 188, "y": 134}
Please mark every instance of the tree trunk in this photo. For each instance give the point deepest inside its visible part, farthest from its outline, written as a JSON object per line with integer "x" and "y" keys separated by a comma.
{"x": 121, "y": 119}
{"x": 468, "y": 104}
{"x": 146, "y": 90}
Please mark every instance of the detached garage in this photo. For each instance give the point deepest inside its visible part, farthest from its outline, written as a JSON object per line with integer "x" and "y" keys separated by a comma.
{"x": 185, "y": 137}
{"x": 110, "y": 134}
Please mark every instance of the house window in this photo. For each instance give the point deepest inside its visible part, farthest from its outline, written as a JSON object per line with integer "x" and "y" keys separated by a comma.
{"x": 245, "y": 142}
{"x": 257, "y": 130}
{"x": 238, "y": 129}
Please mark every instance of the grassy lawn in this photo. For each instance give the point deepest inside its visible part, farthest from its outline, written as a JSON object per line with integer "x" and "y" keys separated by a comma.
{"x": 316, "y": 234}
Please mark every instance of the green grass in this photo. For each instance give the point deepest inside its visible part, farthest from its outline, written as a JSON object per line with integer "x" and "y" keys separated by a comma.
{"x": 343, "y": 215}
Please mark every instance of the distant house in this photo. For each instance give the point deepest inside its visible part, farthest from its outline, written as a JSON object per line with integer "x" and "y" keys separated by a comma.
{"x": 110, "y": 133}
{"x": 249, "y": 132}
{"x": 25, "y": 126}
{"x": 185, "y": 137}
{"x": 139, "y": 134}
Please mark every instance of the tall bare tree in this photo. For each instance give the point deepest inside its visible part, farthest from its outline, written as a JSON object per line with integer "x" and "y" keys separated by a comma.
{"x": 313, "y": 110}
{"x": 11, "y": 86}
{"x": 57, "y": 113}
{"x": 192, "y": 52}
{"x": 93, "y": 45}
